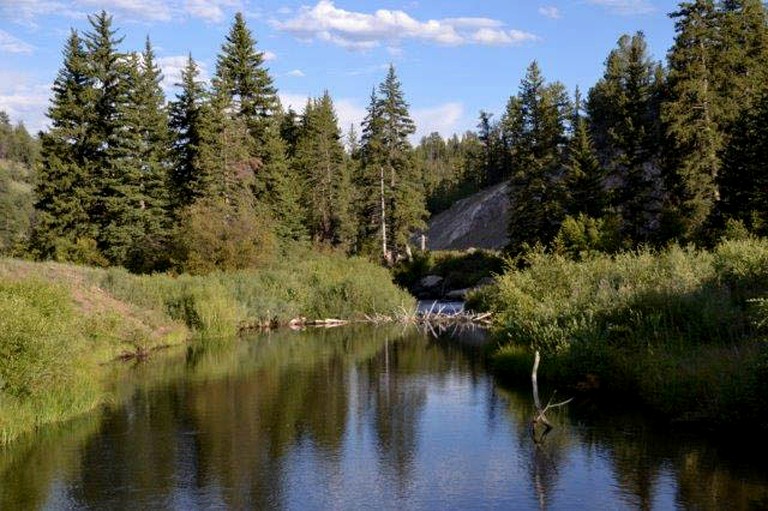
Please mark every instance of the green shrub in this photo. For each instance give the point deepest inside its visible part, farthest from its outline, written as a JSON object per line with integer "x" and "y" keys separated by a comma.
{"x": 225, "y": 235}
{"x": 671, "y": 327}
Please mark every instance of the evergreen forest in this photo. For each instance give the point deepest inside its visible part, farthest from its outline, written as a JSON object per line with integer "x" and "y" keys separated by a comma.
{"x": 221, "y": 176}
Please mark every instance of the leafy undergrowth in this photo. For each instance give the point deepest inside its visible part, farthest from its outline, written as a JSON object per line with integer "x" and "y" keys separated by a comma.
{"x": 683, "y": 329}
{"x": 61, "y": 325}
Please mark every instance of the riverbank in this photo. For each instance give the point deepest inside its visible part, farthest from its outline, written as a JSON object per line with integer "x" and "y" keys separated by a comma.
{"x": 682, "y": 330}
{"x": 62, "y": 325}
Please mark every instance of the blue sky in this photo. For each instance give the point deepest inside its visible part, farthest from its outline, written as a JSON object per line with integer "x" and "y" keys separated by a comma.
{"x": 453, "y": 57}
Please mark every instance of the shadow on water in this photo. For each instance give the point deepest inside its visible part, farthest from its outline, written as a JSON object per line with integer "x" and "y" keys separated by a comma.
{"x": 384, "y": 418}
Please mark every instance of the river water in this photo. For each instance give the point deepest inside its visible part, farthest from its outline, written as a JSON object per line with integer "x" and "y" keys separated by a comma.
{"x": 361, "y": 418}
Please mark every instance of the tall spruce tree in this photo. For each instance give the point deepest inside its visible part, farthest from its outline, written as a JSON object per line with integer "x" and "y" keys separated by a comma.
{"x": 242, "y": 78}
{"x": 321, "y": 161}
{"x": 148, "y": 117}
{"x": 624, "y": 116}
{"x": 65, "y": 189}
{"x": 391, "y": 176}
{"x": 691, "y": 117}
{"x": 188, "y": 117}
{"x": 746, "y": 191}
{"x": 584, "y": 176}
{"x": 535, "y": 124}
{"x": 743, "y": 67}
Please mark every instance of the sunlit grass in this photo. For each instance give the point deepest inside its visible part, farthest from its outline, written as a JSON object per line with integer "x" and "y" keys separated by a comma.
{"x": 680, "y": 329}
{"x": 61, "y": 326}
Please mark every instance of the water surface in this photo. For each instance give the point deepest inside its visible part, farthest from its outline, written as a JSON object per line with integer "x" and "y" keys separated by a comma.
{"x": 360, "y": 418}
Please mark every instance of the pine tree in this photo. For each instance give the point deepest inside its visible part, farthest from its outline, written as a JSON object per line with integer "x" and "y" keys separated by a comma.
{"x": 242, "y": 79}
{"x": 624, "y": 114}
{"x": 743, "y": 68}
{"x": 535, "y": 124}
{"x": 321, "y": 161}
{"x": 65, "y": 187}
{"x": 279, "y": 188}
{"x": 690, "y": 115}
{"x": 120, "y": 193}
{"x": 584, "y": 176}
{"x": 746, "y": 191}
{"x": 148, "y": 116}
{"x": 188, "y": 114}
{"x": 390, "y": 174}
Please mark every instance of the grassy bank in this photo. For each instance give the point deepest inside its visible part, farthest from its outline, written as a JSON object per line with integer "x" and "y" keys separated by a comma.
{"x": 61, "y": 325}
{"x": 682, "y": 330}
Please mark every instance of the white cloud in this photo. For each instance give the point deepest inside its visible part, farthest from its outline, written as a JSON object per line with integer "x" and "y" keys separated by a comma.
{"x": 294, "y": 100}
{"x": 24, "y": 101}
{"x": 497, "y": 37}
{"x": 12, "y": 44}
{"x": 550, "y": 11}
{"x": 349, "y": 112}
{"x": 209, "y": 11}
{"x": 269, "y": 55}
{"x": 363, "y": 31}
{"x": 444, "y": 119}
{"x": 172, "y": 67}
{"x": 625, "y": 7}
{"x": 296, "y": 73}
{"x": 149, "y": 10}
{"x": 25, "y": 12}
{"x": 215, "y": 11}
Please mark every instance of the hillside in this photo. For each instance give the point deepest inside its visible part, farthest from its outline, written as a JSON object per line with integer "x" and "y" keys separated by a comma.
{"x": 479, "y": 221}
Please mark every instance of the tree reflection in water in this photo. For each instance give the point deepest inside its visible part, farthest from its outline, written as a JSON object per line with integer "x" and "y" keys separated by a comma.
{"x": 330, "y": 419}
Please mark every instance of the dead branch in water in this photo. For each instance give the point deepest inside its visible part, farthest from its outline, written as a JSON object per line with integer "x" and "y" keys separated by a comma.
{"x": 540, "y": 416}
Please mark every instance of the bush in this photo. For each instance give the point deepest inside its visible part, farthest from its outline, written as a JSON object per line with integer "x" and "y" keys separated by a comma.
{"x": 226, "y": 235}
{"x": 673, "y": 328}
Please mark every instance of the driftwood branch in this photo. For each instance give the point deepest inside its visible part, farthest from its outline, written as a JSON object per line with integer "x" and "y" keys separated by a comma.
{"x": 540, "y": 416}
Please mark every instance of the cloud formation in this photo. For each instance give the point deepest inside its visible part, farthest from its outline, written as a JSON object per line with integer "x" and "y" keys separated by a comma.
{"x": 172, "y": 67}
{"x": 23, "y": 100}
{"x": 12, "y": 44}
{"x": 550, "y": 11}
{"x": 444, "y": 119}
{"x": 26, "y": 12}
{"x": 362, "y": 31}
{"x": 626, "y": 7}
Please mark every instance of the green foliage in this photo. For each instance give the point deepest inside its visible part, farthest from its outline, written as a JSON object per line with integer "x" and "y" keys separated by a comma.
{"x": 534, "y": 125}
{"x": 319, "y": 158}
{"x": 391, "y": 190}
{"x": 16, "y": 206}
{"x": 460, "y": 270}
{"x": 243, "y": 81}
{"x": 16, "y": 144}
{"x": 216, "y": 233}
{"x": 662, "y": 326}
{"x": 583, "y": 236}
{"x": 623, "y": 110}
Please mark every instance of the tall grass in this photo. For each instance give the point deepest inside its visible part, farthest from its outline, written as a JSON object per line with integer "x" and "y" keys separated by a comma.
{"x": 60, "y": 324}
{"x": 679, "y": 329}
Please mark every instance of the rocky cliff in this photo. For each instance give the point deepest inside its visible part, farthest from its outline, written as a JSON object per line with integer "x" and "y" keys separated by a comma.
{"x": 478, "y": 221}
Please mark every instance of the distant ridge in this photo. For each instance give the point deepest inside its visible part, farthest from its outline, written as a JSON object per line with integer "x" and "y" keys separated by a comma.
{"x": 478, "y": 221}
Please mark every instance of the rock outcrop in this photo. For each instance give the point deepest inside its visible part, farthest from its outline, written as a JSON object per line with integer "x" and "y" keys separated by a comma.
{"x": 478, "y": 221}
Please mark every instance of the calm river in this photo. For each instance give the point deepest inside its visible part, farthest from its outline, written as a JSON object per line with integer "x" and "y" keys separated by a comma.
{"x": 360, "y": 418}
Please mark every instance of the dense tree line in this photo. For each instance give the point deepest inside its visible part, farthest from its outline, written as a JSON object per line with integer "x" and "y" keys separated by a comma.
{"x": 656, "y": 153}
{"x": 222, "y": 176}
{"x": 219, "y": 176}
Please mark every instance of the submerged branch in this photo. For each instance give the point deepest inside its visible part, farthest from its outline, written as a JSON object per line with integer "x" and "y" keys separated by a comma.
{"x": 540, "y": 416}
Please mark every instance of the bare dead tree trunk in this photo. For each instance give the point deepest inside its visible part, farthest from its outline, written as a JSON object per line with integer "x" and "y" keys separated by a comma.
{"x": 540, "y": 413}
{"x": 384, "y": 251}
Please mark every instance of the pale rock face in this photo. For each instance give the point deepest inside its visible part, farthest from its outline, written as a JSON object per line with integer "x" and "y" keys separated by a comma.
{"x": 479, "y": 221}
